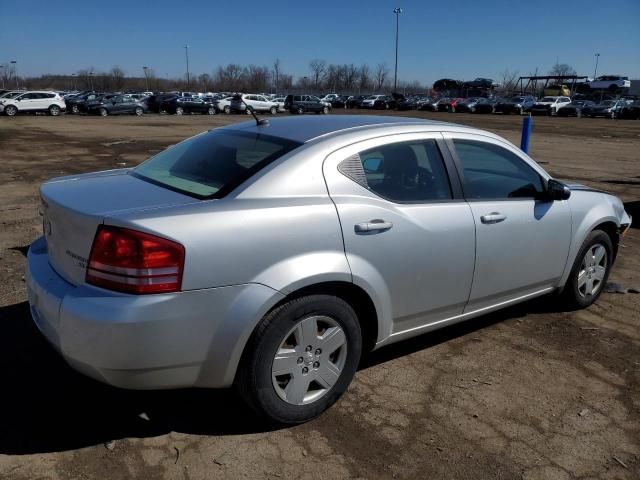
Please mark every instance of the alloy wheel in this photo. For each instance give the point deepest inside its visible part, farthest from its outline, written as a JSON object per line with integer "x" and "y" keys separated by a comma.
{"x": 592, "y": 270}
{"x": 309, "y": 360}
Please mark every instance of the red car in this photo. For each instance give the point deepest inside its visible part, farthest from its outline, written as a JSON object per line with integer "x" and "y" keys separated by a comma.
{"x": 450, "y": 105}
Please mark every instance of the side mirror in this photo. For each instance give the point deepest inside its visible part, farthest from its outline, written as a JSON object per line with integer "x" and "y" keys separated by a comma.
{"x": 557, "y": 190}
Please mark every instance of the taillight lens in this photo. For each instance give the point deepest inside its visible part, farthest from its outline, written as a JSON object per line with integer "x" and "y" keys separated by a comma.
{"x": 134, "y": 262}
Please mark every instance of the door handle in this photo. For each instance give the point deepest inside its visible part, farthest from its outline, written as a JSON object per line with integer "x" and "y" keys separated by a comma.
{"x": 376, "y": 225}
{"x": 493, "y": 217}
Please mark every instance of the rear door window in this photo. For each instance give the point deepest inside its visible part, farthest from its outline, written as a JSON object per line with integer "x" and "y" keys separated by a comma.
{"x": 212, "y": 164}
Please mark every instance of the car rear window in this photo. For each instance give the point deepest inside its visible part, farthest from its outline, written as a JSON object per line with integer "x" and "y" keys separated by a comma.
{"x": 212, "y": 164}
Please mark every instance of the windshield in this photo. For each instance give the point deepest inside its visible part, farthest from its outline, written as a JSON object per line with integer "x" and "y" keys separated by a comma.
{"x": 578, "y": 102}
{"x": 11, "y": 94}
{"x": 608, "y": 103}
{"x": 548, "y": 99}
{"x": 211, "y": 164}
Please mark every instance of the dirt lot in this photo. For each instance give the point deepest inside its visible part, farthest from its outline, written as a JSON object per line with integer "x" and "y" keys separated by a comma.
{"x": 529, "y": 393}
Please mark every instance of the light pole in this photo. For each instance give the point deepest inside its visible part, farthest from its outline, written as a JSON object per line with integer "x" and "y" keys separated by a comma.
{"x": 595, "y": 70}
{"x": 15, "y": 71}
{"x": 91, "y": 79}
{"x": 146, "y": 76}
{"x": 397, "y": 11}
{"x": 4, "y": 73}
{"x": 186, "y": 53}
{"x": 73, "y": 79}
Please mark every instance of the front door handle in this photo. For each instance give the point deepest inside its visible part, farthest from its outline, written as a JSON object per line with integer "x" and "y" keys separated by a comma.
{"x": 493, "y": 217}
{"x": 376, "y": 225}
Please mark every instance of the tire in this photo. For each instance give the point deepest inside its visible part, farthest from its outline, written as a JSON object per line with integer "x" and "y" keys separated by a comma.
{"x": 11, "y": 110}
{"x": 211, "y": 111}
{"x": 227, "y": 109}
{"x": 104, "y": 112}
{"x": 290, "y": 326}
{"x": 248, "y": 110}
{"x": 179, "y": 110}
{"x": 138, "y": 111}
{"x": 54, "y": 110}
{"x": 75, "y": 109}
{"x": 299, "y": 110}
{"x": 273, "y": 110}
{"x": 325, "y": 110}
{"x": 575, "y": 294}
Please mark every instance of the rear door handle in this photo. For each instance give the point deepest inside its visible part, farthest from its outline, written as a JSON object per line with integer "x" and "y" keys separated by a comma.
{"x": 493, "y": 217}
{"x": 373, "y": 226}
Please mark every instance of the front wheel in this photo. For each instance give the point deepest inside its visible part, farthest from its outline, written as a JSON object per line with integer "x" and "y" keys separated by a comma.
{"x": 590, "y": 271}
{"x": 211, "y": 111}
{"x": 138, "y": 111}
{"x": 273, "y": 110}
{"x": 248, "y": 110}
{"x": 300, "y": 110}
{"x": 226, "y": 109}
{"x": 300, "y": 359}
{"x": 179, "y": 110}
{"x": 103, "y": 112}
{"x": 325, "y": 110}
{"x": 11, "y": 110}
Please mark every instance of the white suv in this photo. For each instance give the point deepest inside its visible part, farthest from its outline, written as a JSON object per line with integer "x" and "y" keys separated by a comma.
{"x": 257, "y": 103}
{"x": 549, "y": 105}
{"x": 33, "y": 101}
{"x": 610, "y": 82}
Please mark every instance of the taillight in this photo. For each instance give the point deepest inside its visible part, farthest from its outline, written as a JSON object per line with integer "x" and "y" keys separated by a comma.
{"x": 134, "y": 262}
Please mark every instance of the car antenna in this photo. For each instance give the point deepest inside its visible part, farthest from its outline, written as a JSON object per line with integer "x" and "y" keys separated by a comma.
{"x": 259, "y": 122}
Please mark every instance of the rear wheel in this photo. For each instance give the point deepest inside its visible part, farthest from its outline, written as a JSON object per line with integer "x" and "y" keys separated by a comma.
{"x": 590, "y": 271}
{"x": 179, "y": 110}
{"x": 325, "y": 110}
{"x": 211, "y": 111}
{"x": 300, "y": 359}
{"x": 273, "y": 110}
{"x": 248, "y": 110}
{"x": 75, "y": 109}
{"x": 103, "y": 112}
{"x": 11, "y": 110}
{"x": 54, "y": 110}
{"x": 226, "y": 109}
{"x": 138, "y": 111}
{"x": 299, "y": 110}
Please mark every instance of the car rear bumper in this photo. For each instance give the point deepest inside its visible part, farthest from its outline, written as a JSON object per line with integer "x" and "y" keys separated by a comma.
{"x": 192, "y": 338}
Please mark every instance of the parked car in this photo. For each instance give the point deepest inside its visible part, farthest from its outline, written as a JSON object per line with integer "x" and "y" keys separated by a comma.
{"x": 224, "y": 104}
{"x": 630, "y": 111}
{"x": 280, "y": 102}
{"x": 488, "y": 105}
{"x": 182, "y": 105}
{"x": 72, "y": 102}
{"x": 154, "y": 102}
{"x": 518, "y": 104}
{"x": 304, "y": 103}
{"x": 607, "y": 108}
{"x": 339, "y": 102}
{"x": 369, "y": 101}
{"x": 482, "y": 83}
{"x": 384, "y": 102}
{"x": 330, "y": 97}
{"x": 549, "y": 105}
{"x": 574, "y": 109}
{"x": 469, "y": 104}
{"x": 302, "y": 265}
{"x": 355, "y": 101}
{"x": 557, "y": 91}
{"x": 256, "y": 103}
{"x": 609, "y": 82}
{"x": 32, "y": 102}
{"x": 116, "y": 105}
{"x": 449, "y": 104}
{"x": 430, "y": 104}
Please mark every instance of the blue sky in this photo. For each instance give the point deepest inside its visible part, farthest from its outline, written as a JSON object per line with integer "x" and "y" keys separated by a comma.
{"x": 461, "y": 39}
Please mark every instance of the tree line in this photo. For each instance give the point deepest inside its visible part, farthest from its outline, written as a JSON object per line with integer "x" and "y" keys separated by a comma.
{"x": 321, "y": 77}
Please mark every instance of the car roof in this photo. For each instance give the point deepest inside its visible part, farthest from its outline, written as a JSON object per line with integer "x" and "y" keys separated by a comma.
{"x": 305, "y": 128}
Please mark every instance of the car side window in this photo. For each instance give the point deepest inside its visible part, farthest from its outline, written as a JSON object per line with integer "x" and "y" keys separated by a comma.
{"x": 407, "y": 172}
{"x": 493, "y": 172}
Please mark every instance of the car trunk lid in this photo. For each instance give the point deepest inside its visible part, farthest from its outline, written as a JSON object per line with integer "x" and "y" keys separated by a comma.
{"x": 73, "y": 207}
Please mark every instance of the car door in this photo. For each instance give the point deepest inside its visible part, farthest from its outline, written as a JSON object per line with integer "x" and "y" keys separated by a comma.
{"x": 522, "y": 242}
{"x": 27, "y": 102}
{"x": 408, "y": 233}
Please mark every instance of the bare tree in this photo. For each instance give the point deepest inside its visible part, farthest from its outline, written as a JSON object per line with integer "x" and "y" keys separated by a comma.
{"x": 276, "y": 73}
{"x": 363, "y": 77}
{"x": 256, "y": 78}
{"x": 562, "y": 70}
{"x": 318, "y": 68}
{"x": 382, "y": 71}
{"x": 509, "y": 80}
{"x": 117, "y": 77}
{"x": 229, "y": 77}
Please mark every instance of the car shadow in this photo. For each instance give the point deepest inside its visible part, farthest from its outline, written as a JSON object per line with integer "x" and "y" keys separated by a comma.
{"x": 48, "y": 407}
{"x": 633, "y": 209}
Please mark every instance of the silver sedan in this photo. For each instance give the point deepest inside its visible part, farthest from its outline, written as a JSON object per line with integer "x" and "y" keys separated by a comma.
{"x": 272, "y": 255}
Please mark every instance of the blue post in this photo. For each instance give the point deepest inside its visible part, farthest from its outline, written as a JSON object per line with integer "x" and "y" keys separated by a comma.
{"x": 526, "y": 133}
